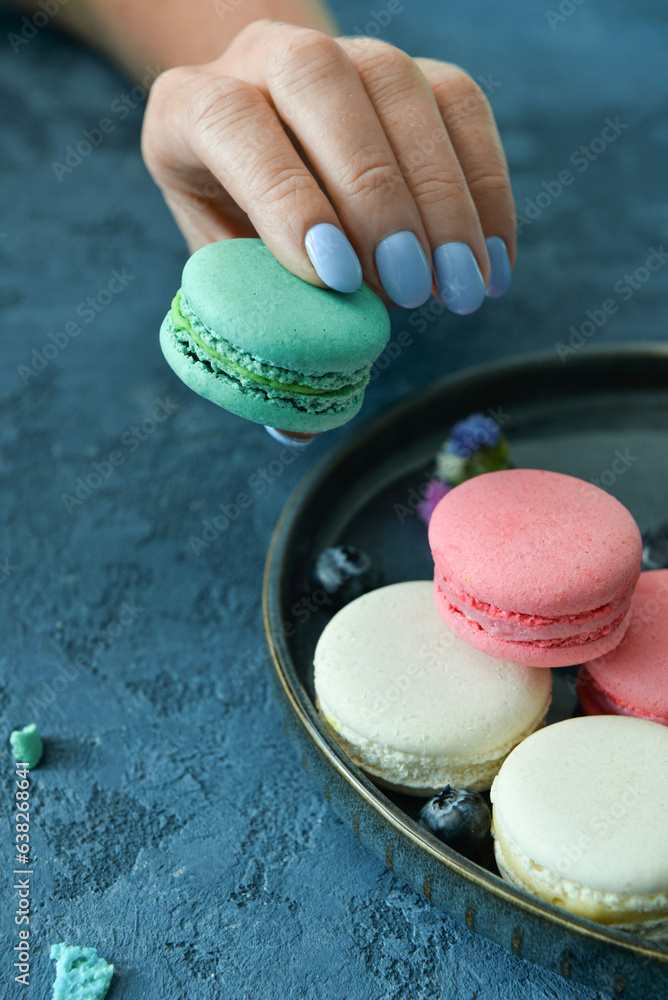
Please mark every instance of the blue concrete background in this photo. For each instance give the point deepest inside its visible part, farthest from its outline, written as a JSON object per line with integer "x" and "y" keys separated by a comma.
{"x": 173, "y": 827}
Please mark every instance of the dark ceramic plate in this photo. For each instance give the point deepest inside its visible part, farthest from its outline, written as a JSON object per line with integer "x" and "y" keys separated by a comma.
{"x": 602, "y": 416}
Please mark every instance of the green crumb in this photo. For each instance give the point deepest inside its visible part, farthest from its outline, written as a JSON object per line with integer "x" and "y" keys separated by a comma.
{"x": 27, "y": 745}
{"x": 80, "y": 973}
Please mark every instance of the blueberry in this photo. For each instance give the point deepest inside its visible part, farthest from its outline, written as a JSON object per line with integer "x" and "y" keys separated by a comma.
{"x": 457, "y": 816}
{"x": 344, "y": 573}
{"x": 655, "y": 548}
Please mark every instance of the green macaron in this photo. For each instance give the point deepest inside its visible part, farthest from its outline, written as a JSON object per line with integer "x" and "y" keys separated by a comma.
{"x": 247, "y": 334}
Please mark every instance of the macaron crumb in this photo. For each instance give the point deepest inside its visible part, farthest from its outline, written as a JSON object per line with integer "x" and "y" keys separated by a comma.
{"x": 27, "y": 745}
{"x": 80, "y": 973}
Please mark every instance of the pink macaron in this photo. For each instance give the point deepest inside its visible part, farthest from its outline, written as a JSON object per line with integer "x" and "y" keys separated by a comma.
{"x": 633, "y": 678}
{"x": 535, "y": 567}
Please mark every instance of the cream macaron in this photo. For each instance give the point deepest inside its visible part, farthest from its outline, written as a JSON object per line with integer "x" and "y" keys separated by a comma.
{"x": 580, "y": 819}
{"x": 413, "y": 705}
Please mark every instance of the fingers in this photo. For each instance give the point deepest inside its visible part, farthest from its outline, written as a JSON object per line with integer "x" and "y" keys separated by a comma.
{"x": 405, "y": 105}
{"x": 205, "y": 124}
{"x": 318, "y": 93}
{"x": 347, "y": 157}
{"x": 470, "y": 123}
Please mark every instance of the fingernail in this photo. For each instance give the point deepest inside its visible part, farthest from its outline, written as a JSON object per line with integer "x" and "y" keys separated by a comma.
{"x": 291, "y": 438}
{"x": 499, "y": 283}
{"x": 333, "y": 258}
{"x": 461, "y": 286}
{"x": 403, "y": 269}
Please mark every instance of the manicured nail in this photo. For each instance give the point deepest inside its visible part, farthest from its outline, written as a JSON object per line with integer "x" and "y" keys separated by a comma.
{"x": 461, "y": 286}
{"x": 291, "y": 438}
{"x": 499, "y": 283}
{"x": 333, "y": 258}
{"x": 404, "y": 270}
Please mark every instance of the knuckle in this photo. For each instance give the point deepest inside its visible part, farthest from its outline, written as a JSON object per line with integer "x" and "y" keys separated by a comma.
{"x": 218, "y": 102}
{"x": 377, "y": 57}
{"x": 458, "y": 81}
{"x": 391, "y": 74}
{"x": 167, "y": 80}
{"x": 276, "y": 185}
{"x": 256, "y": 29}
{"x": 162, "y": 101}
{"x": 299, "y": 55}
{"x": 487, "y": 173}
{"x": 379, "y": 180}
{"x": 431, "y": 189}
{"x": 489, "y": 185}
{"x": 162, "y": 93}
{"x": 461, "y": 96}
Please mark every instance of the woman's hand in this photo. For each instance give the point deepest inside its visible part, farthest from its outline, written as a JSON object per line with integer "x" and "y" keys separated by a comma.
{"x": 347, "y": 157}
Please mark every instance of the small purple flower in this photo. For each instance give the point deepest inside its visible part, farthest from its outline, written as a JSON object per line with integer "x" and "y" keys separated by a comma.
{"x": 435, "y": 491}
{"x": 468, "y": 436}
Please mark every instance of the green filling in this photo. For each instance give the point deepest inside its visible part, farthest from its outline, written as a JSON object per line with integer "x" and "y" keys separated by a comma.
{"x": 181, "y": 323}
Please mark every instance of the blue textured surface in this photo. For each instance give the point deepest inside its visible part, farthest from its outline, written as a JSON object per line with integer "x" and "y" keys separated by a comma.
{"x": 172, "y": 825}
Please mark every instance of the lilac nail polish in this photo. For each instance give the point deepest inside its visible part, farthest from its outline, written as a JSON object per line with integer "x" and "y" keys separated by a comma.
{"x": 499, "y": 283}
{"x": 333, "y": 257}
{"x": 292, "y": 439}
{"x": 461, "y": 286}
{"x": 404, "y": 270}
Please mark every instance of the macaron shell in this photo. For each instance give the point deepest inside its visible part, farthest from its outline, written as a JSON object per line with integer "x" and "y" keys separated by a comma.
{"x": 633, "y": 679}
{"x": 594, "y": 702}
{"x": 389, "y": 670}
{"x": 238, "y": 289}
{"x": 587, "y": 799}
{"x": 254, "y": 405}
{"x": 535, "y": 542}
{"x": 533, "y": 654}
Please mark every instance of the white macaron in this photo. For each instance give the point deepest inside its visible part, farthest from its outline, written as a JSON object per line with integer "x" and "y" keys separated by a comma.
{"x": 413, "y": 705}
{"x": 580, "y": 819}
